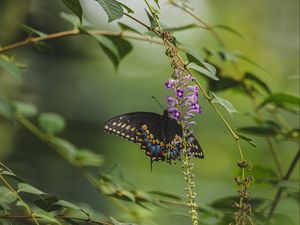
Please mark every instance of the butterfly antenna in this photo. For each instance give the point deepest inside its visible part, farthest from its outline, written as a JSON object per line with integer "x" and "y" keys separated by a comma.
{"x": 158, "y": 102}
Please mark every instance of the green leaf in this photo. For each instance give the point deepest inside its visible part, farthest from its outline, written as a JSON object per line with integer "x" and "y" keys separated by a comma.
{"x": 112, "y": 8}
{"x": 30, "y": 31}
{"x": 26, "y": 109}
{"x": 115, "y": 48}
{"x": 6, "y": 109}
{"x": 47, "y": 204}
{"x": 230, "y": 29}
{"x": 11, "y": 68}
{"x": 223, "y": 102}
{"x": 65, "y": 148}
{"x": 258, "y": 131}
{"x": 245, "y": 58}
{"x": 51, "y": 123}
{"x": 116, "y": 222}
{"x": 6, "y": 196}
{"x": 85, "y": 157}
{"x": 181, "y": 28}
{"x": 23, "y": 187}
{"x": 165, "y": 194}
{"x": 282, "y": 100}
{"x": 74, "y": 20}
{"x": 48, "y": 217}
{"x": 224, "y": 83}
{"x": 153, "y": 23}
{"x": 68, "y": 205}
{"x": 128, "y": 9}
{"x": 209, "y": 70}
{"x": 259, "y": 82}
{"x": 248, "y": 139}
{"x": 263, "y": 174}
{"x": 11, "y": 174}
{"x": 75, "y": 7}
{"x": 157, "y": 3}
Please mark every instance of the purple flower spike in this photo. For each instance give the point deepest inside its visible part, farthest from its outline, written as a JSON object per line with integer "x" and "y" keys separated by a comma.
{"x": 170, "y": 83}
{"x": 179, "y": 93}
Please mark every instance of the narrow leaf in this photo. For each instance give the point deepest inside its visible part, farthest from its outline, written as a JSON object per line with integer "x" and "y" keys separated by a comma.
{"x": 128, "y": 9}
{"x": 26, "y": 109}
{"x": 259, "y": 82}
{"x": 181, "y": 28}
{"x": 248, "y": 139}
{"x": 128, "y": 28}
{"x": 46, "y": 216}
{"x": 112, "y": 8}
{"x": 51, "y": 123}
{"x": 6, "y": 196}
{"x": 211, "y": 73}
{"x": 23, "y": 187}
{"x": 85, "y": 157}
{"x": 153, "y": 23}
{"x": 223, "y": 102}
{"x": 282, "y": 100}
{"x": 6, "y": 109}
{"x": 230, "y": 29}
{"x": 30, "y": 31}
{"x": 258, "y": 131}
{"x": 11, "y": 68}
{"x": 75, "y": 7}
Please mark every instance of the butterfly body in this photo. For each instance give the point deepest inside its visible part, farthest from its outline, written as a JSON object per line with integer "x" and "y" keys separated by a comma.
{"x": 158, "y": 135}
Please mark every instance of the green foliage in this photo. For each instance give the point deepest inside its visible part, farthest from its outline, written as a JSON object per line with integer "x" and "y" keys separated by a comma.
{"x": 223, "y": 102}
{"x": 51, "y": 123}
{"x": 75, "y": 7}
{"x": 112, "y": 8}
{"x": 11, "y": 68}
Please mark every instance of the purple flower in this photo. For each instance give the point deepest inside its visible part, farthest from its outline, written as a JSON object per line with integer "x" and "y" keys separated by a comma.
{"x": 171, "y": 101}
{"x": 179, "y": 92}
{"x": 170, "y": 83}
{"x": 193, "y": 98}
{"x": 193, "y": 88}
{"x": 195, "y": 107}
{"x": 175, "y": 113}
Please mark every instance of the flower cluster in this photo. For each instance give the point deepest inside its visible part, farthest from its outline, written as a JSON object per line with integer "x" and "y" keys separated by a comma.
{"x": 184, "y": 104}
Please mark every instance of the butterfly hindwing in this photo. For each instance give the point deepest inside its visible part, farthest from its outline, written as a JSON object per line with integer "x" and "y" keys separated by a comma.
{"x": 144, "y": 128}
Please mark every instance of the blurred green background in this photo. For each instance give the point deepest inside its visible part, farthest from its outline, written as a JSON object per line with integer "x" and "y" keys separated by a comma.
{"x": 79, "y": 82}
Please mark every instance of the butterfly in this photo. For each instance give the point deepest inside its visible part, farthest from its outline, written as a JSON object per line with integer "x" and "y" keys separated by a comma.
{"x": 158, "y": 135}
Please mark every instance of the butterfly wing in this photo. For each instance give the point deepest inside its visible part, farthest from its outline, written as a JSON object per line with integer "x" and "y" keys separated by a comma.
{"x": 144, "y": 128}
{"x": 174, "y": 135}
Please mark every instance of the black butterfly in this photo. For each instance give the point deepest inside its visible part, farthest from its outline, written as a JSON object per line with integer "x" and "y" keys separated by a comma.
{"x": 159, "y": 136}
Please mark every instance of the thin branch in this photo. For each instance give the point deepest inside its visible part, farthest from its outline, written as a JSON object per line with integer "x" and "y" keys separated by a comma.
{"x": 285, "y": 178}
{"x": 75, "y": 32}
{"x": 87, "y": 220}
